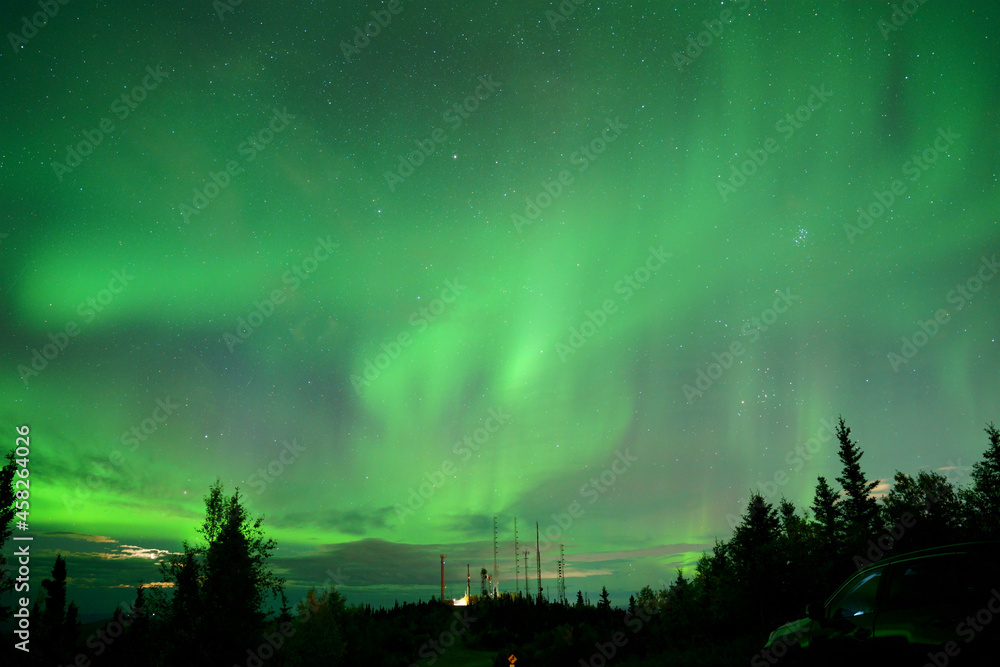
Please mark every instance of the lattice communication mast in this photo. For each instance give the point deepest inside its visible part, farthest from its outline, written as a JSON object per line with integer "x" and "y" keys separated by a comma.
{"x": 538, "y": 561}
{"x": 517, "y": 564}
{"x": 496, "y": 564}
{"x": 562, "y": 573}
{"x": 526, "y": 593}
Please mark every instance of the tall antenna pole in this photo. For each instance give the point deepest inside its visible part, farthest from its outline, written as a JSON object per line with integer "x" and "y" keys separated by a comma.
{"x": 517, "y": 564}
{"x": 442, "y": 577}
{"x": 562, "y": 573}
{"x": 559, "y": 575}
{"x": 496, "y": 565}
{"x": 538, "y": 561}
{"x": 526, "y": 593}
{"x": 468, "y": 582}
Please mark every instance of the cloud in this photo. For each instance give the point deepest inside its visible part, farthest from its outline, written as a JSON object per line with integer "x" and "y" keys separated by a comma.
{"x": 635, "y": 554}
{"x": 147, "y": 584}
{"x": 376, "y": 562}
{"x": 351, "y": 522}
{"x": 131, "y": 551}
{"x": 81, "y": 536}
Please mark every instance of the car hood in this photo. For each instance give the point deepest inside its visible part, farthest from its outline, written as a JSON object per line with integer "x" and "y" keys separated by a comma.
{"x": 794, "y": 632}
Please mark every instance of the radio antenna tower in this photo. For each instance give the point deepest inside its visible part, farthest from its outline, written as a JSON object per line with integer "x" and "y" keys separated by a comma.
{"x": 496, "y": 565}
{"x": 562, "y": 573}
{"x": 517, "y": 564}
{"x": 442, "y": 577}
{"x": 526, "y": 593}
{"x": 538, "y": 561}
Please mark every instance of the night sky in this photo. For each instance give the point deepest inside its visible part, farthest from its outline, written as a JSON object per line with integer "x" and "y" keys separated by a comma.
{"x": 608, "y": 269}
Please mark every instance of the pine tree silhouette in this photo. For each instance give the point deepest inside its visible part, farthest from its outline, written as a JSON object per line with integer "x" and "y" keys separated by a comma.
{"x": 858, "y": 507}
{"x": 982, "y": 500}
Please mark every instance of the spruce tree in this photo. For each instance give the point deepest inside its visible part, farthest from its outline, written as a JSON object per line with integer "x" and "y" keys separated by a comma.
{"x": 57, "y": 626}
{"x": 222, "y": 586}
{"x": 858, "y": 507}
{"x": 184, "y": 625}
{"x": 828, "y": 521}
{"x": 71, "y": 628}
{"x": 605, "y": 602}
{"x": 982, "y": 499}
{"x": 757, "y": 559}
{"x": 53, "y": 615}
{"x": 138, "y": 646}
{"x": 6, "y": 517}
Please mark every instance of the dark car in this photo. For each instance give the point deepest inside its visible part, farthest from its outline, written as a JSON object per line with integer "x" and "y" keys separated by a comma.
{"x": 933, "y": 607}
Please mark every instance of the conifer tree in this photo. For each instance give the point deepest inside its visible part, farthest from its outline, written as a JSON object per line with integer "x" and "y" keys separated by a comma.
{"x": 6, "y": 517}
{"x": 858, "y": 507}
{"x": 755, "y": 550}
{"x": 982, "y": 499}
{"x": 57, "y": 625}
{"x": 605, "y": 602}
{"x": 222, "y": 586}
{"x": 828, "y": 521}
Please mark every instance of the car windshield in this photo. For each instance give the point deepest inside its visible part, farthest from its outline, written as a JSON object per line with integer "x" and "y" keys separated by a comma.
{"x": 857, "y": 597}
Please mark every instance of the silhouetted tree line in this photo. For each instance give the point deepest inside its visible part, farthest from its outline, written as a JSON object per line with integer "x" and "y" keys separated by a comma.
{"x": 777, "y": 559}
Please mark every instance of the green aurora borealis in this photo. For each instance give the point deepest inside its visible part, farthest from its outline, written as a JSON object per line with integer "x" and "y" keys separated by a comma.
{"x": 262, "y": 291}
